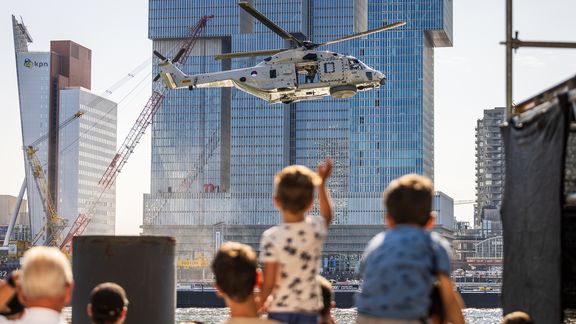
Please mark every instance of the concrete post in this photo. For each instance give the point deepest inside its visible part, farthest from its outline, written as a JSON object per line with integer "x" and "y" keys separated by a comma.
{"x": 143, "y": 265}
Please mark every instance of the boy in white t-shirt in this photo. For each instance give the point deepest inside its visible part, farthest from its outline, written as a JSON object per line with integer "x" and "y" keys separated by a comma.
{"x": 291, "y": 251}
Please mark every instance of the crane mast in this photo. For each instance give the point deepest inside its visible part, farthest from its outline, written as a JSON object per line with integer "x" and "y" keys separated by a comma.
{"x": 150, "y": 109}
{"x": 136, "y": 132}
{"x": 54, "y": 223}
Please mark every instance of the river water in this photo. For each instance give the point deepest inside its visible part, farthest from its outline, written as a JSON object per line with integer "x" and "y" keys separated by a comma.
{"x": 342, "y": 315}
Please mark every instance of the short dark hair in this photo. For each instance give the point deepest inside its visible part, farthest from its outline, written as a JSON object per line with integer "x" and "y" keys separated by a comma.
{"x": 107, "y": 301}
{"x": 517, "y": 318}
{"x": 408, "y": 199}
{"x": 234, "y": 267}
{"x": 294, "y": 187}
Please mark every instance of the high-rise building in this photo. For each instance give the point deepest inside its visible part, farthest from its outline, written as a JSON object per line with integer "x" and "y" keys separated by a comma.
{"x": 7, "y": 205}
{"x": 53, "y": 86}
{"x": 215, "y": 151}
{"x": 489, "y": 171}
{"x": 86, "y": 148}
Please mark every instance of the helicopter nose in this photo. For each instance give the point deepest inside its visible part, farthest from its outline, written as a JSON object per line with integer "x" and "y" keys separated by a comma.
{"x": 383, "y": 80}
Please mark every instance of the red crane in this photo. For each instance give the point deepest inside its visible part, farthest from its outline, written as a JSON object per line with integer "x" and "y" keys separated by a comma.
{"x": 136, "y": 132}
{"x": 149, "y": 111}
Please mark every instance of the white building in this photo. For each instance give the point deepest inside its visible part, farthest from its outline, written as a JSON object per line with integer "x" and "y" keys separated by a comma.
{"x": 443, "y": 207}
{"x": 87, "y": 146}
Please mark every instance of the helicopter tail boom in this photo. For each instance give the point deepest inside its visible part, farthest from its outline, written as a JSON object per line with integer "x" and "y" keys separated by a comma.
{"x": 174, "y": 78}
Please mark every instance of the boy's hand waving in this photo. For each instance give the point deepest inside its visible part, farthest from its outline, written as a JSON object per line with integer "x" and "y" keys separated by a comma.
{"x": 325, "y": 169}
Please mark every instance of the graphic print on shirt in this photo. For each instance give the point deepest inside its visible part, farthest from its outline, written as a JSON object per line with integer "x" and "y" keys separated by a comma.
{"x": 296, "y": 247}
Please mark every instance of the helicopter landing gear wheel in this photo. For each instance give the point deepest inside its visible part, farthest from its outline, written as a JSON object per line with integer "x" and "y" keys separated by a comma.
{"x": 343, "y": 91}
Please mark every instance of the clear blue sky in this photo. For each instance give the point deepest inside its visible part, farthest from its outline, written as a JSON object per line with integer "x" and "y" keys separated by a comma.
{"x": 469, "y": 78}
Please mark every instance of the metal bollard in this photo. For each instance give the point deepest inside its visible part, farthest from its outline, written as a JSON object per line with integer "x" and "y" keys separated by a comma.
{"x": 143, "y": 265}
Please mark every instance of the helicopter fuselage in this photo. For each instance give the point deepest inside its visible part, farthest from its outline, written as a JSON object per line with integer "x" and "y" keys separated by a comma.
{"x": 288, "y": 76}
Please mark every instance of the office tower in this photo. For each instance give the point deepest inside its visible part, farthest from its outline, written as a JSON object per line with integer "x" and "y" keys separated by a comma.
{"x": 489, "y": 171}
{"x": 53, "y": 86}
{"x": 86, "y": 148}
{"x": 215, "y": 151}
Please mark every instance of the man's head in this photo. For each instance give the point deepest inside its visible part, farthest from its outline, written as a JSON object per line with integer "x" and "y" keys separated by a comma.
{"x": 408, "y": 200}
{"x": 108, "y": 304}
{"x": 234, "y": 267}
{"x": 46, "y": 278}
{"x": 294, "y": 188}
{"x": 517, "y": 318}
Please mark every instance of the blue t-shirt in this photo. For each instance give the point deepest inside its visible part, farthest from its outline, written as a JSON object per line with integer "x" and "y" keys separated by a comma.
{"x": 398, "y": 269}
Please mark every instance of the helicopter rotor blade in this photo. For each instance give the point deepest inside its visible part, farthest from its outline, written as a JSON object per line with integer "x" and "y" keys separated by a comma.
{"x": 368, "y": 32}
{"x": 268, "y": 23}
{"x": 158, "y": 55}
{"x": 248, "y": 54}
{"x": 179, "y": 55}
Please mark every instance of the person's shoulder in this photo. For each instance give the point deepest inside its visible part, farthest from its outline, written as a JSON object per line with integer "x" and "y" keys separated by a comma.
{"x": 272, "y": 230}
{"x": 442, "y": 251}
{"x": 375, "y": 242}
{"x": 440, "y": 241}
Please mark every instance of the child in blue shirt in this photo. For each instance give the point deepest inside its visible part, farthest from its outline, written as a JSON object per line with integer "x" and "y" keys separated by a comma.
{"x": 399, "y": 267}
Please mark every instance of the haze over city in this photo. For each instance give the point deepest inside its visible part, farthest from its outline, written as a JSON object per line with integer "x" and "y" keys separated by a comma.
{"x": 469, "y": 77}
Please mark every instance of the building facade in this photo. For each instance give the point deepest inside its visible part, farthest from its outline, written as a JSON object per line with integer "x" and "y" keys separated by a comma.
{"x": 215, "y": 151}
{"x": 52, "y": 87}
{"x": 86, "y": 148}
{"x": 7, "y": 206}
{"x": 489, "y": 171}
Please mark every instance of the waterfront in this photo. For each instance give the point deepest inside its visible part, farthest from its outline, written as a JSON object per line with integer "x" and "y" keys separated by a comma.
{"x": 342, "y": 315}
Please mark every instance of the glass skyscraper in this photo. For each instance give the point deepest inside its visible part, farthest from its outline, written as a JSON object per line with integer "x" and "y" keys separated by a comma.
{"x": 215, "y": 151}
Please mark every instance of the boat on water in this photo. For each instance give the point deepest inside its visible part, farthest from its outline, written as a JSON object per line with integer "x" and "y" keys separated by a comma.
{"x": 204, "y": 295}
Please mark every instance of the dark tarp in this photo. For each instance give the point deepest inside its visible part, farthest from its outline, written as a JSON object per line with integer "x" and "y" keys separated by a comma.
{"x": 532, "y": 212}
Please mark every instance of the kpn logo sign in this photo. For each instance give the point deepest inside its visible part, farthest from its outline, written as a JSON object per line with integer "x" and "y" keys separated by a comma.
{"x": 29, "y": 63}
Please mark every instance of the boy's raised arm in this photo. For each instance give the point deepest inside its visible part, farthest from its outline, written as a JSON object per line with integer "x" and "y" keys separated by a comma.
{"x": 325, "y": 202}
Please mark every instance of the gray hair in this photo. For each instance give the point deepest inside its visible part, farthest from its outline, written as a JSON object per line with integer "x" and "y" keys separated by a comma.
{"x": 45, "y": 273}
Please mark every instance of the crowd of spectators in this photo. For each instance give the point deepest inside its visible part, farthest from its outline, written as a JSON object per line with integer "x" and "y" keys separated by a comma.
{"x": 404, "y": 271}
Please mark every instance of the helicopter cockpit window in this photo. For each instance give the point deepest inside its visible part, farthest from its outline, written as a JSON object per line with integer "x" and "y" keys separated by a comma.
{"x": 355, "y": 64}
{"x": 329, "y": 67}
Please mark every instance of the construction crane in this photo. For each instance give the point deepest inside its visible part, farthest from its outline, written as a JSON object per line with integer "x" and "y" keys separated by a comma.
{"x": 37, "y": 170}
{"x": 79, "y": 225}
{"x": 150, "y": 109}
{"x": 464, "y": 202}
{"x": 54, "y": 223}
{"x": 184, "y": 186}
{"x": 136, "y": 133}
{"x": 62, "y": 125}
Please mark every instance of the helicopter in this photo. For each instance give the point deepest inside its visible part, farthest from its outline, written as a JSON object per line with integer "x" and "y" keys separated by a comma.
{"x": 287, "y": 75}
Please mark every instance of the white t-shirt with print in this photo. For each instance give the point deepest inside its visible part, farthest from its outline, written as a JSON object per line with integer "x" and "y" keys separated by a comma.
{"x": 297, "y": 248}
